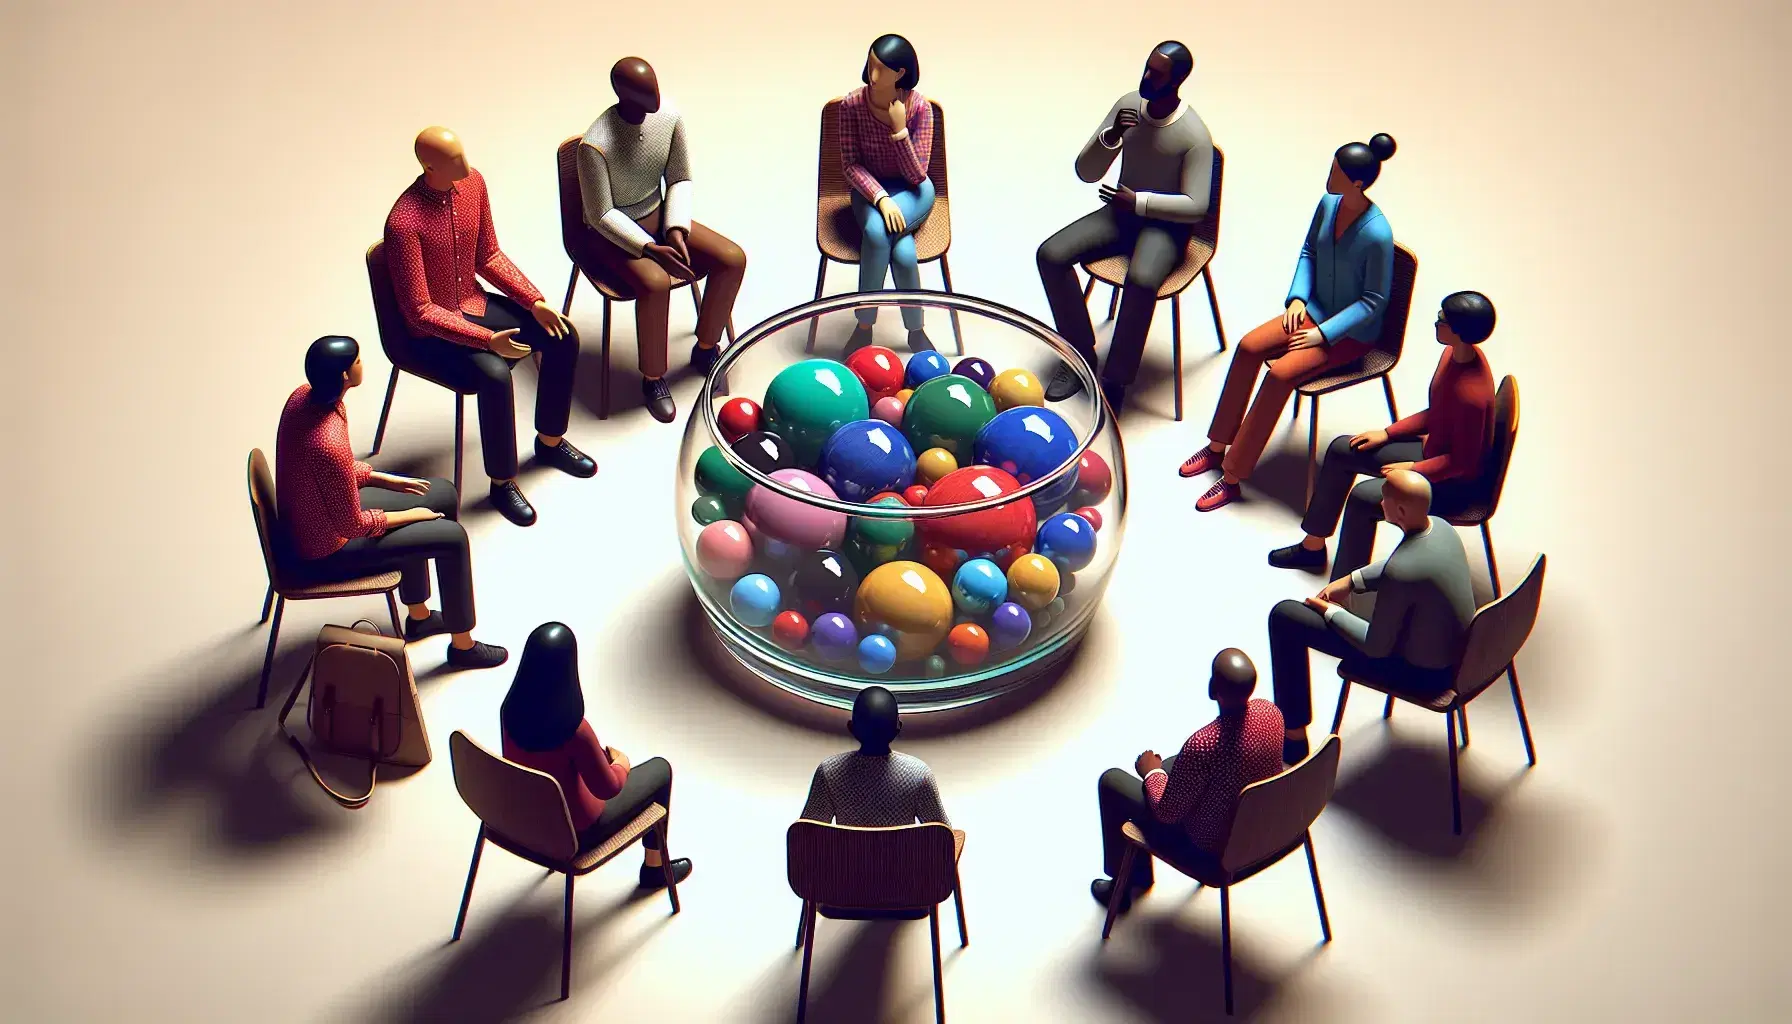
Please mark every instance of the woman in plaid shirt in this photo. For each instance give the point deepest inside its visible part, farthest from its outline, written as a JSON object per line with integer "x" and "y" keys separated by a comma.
{"x": 886, "y": 140}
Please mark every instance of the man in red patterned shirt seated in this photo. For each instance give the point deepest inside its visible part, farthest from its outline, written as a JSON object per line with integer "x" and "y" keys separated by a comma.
{"x": 1184, "y": 804}
{"x": 439, "y": 241}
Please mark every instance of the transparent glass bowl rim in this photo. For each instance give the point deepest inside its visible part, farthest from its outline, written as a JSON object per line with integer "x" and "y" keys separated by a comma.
{"x": 955, "y": 303}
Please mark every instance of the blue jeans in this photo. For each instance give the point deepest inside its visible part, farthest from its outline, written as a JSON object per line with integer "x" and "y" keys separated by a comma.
{"x": 880, "y": 255}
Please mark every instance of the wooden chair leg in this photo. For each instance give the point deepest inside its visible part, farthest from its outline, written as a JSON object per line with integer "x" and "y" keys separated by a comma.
{"x": 1113, "y": 300}
{"x": 1176, "y": 348}
{"x": 1343, "y": 699}
{"x": 1325, "y": 921}
{"x": 566, "y": 945}
{"x": 957, "y": 330}
{"x": 1294, "y": 409}
{"x": 392, "y": 607}
{"x": 603, "y": 366}
{"x": 267, "y": 661}
{"x": 1493, "y": 567}
{"x": 964, "y": 935}
{"x": 821, "y": 277}
{"x": 267, "y": 603}
{"x": 1312, "y": 448}
{"x": 1088, "y": 289}
{"x": 1524, "y": 722}
{"x": 1387, "y": 710}
{"x": 666, "y": 866}
{"x": 1455, "y": 780}
{"x": 572, "y": 282}
{"x": 379, "y": 433}
{"x": 460, "y": 432}
{"x": 697, "y": 298}
{"x": 1122, "y": 881}
{"x": 802, "y": 922}
{"x": 1213, "y": 303}
{"x": 802, "y": 992}
{"x": 939, "y": 977}
{"x": 1387, "y": 388}
{"x": 1226, "y": 941}
{"x": 1462, "y": 713}
{"x": 466, "y": 896}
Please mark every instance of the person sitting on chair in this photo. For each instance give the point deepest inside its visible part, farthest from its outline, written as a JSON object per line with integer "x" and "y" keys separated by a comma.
{"x": 1166, "y": 179}
{"x": 1423, "y": 606}
{"x": 886, "y": 140}
{"x": 648, "y": 240}
{"x": 874, "y": 786}
{"x": 1446, "y": 444}
{"x": 543, "y": 717}
{"x": 439, "y": 235}
{"x": 342, "y": 520}
{"x": 1333, "y": 316}
{"x": 1186, "y": 802}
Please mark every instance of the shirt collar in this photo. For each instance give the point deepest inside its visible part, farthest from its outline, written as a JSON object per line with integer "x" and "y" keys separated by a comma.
{"x": 423, "y": 189}
{"x": 1181, "y": 108}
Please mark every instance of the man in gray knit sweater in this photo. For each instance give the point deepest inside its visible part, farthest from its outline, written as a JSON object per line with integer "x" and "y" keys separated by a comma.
{"x": 1166, "y": 176}
{"x": 874, "y": 786}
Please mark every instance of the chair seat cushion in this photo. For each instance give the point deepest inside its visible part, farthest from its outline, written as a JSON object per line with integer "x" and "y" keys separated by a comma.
{"x": 301, "y": 589}
{"x": 837, "y": 230}
{"x": 1414, "y": 688}
{"x": 1112, "y": 269}
{"x": 1375, "y": 363}
{"x": 1471, "y": 515}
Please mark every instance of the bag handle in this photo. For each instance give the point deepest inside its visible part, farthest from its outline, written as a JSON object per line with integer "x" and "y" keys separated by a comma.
{"x": 372, "y": 627}
{"x": 350, "y": 801}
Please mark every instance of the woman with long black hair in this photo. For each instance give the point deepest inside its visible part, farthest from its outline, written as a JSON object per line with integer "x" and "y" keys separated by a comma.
{"x": 543, "y": 717}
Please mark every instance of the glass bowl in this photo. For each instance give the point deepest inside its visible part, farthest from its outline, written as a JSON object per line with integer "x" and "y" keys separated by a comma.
{"x": 821, "y": 569}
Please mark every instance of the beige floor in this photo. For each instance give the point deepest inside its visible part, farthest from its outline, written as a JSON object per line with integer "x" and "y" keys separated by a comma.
{"x": 191, "y": 186}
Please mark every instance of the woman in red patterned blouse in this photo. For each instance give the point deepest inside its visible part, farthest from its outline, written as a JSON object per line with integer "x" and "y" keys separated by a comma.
{"x": 886, "y": 140}
{"x": 340, "y": 519}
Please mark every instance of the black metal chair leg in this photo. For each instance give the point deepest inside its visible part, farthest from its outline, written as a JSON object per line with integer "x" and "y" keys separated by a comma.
{"x": 1387, "y": 710}
{"x": 1325, "y": 921}
{"x": 267, "y": 603}
{"x": 392, "y": 607}
{"x": 957, "y": 331}
{"x": 267, "y": 661}
{"x": 697, "y": 298}
{"x": 939, "y": 977}
{"x": 821, "y": 277}
{"x": 571, "y": 284}
{"x": 1294, "y": 408}
{"x": 1213, "y": 303}
{"x": 1226, "y": 940}
{"x": 566, "y": 946}
{"x": 802, "y": 921}
{"x": 1176, "y": 348}
{"x": 802, "y": 992}
{"x": 1462, "y": 713}
{"x": 1122, "y": 881}
{"x": 1343, "y": 699}
{"x": 1387, "y": 388}
{"x": 1455, "y": 780}
{"x": 466, "y": 896}
{"x": 964, "y": 935}
{"x": 379, "y": 433}
{"x": 1312, "y": 448}
{"x": 666, "y": 866}
{"x": 1524, "y": 721}
{"x": 603, "y": 382}
{"x": 460, "y": 431}
{"x": 1493, "y": 567}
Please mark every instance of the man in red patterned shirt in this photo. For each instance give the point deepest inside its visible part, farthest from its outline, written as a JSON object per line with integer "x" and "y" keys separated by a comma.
{"x": 439, "y": 240}
{"x": 1184, "y": 804}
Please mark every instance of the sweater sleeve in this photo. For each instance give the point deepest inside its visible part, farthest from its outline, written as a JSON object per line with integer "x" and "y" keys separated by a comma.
{"x": 820, "y": 805}
{"x": 1302, "y": 288}
{"x": 862, "y": 180}
{"x": 917, "y": 149}
{"x": 491, "y": 262}
{"x": 678, "y": 180}
{"x": 600, "y": 210}
{"x": 1378, "y": 281}
{"x": 1464, "y": 448}
{"x": 602, "y": 776}
{"x": 361, "y": 472}
{"x": 339, "y": 498}
{"x": 1097, "y": 156}
{"x": 410, "y": 285}
{"x": 1172, "y": 798}
{"x": 927, "y": 800}
{"x": 1393, "y": 606}
{"x": 1409, "y": 427}
{"x": 1189, "y": 205}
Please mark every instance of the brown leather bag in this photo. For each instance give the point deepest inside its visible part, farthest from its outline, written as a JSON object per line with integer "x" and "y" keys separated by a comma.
{"x": 363, "y": 704}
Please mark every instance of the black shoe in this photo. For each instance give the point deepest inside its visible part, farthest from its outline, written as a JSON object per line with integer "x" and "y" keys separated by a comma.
{"x": 1103, "y": 890}
{"x": 565, "y": 458}
{"x": 918, "y": 341}
{"x": 1064, "y": 384}
{"x": 655, "y": 878}
{"x": 861, "y": 337}
{"x": 1298, "y": 556}
{"x": 1294, "y": 751}
{"x": 703, "y": 360}
{"x": 657, "y": 395}
{"x": 508, "y": 499}
{"x": 1115, "y": 394}
{"x": 417, "y": 629}
{"x": 477, "y": 656}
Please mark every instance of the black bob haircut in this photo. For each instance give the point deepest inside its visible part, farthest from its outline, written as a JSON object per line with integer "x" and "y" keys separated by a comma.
{"x": 897, "y": 54}
{"x": 326, "y": 361}
{"x": 1362, "y": 161}
{"x": 1470, "y": 315}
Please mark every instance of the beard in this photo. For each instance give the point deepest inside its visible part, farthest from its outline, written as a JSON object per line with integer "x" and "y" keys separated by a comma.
{"x": 1148, "y": 91}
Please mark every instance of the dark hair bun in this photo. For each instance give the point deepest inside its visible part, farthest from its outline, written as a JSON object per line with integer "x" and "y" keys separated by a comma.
{"x": 1382, "y": 145}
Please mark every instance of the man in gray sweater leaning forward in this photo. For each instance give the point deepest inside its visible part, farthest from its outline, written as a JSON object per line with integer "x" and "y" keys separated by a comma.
{"x": 1166, "y": 176}
{"x": 1423, "y": 606}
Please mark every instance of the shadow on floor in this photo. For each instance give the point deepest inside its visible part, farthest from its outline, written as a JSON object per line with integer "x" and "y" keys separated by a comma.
{"x": 1402, "y": 792}
{"x": 1179, "y": 976}
{"x": 847, "y": 985}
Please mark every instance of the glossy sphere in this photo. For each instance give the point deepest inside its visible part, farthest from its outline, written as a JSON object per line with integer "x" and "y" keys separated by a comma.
{"x": 911, "y": 601}
{"x": 979, "y": 586}
{"x": 968, "y": 644}
{"x": 876, "y": 654}
{"x": 716, "y": 476}
{"x": 755, "y": 600}
{"x": 764, "y": 451}
{"x": 1091, "y": 514}
{"x": 724, "y": 550}
{"x": 821, "y": 582}
{"x": 947, "y": 412}
{"x": 904, "y": 395}
{"x": 1094, "y": 479}
{"x": 738, "y": 417}
{"x": 872, "y": 542}
{"x": 809, "y": 400}
{"x": 1009, "y": 626}
{"x": 792, "y": 521}
{"x": 977, "y": 369}
{"x": 835, "y": 637}
{"x": 1000, "y": 534}
{"x": 915, "y": 495}
{"x": 934, "y": 667}
{"x": 1056, "y": 608}
{"x": 708, "y": 509}
{"x": 790, "y": 631}
{"x": 865, "y": 457}
{"x": 1030, "y": 443}
{"x": 879, "y": 369}
{"x": 1013, "y": 388}
{"x": 889, "y": 410}
{"x": 923, "y": 367}
{"x": 1033, "y": 582}
{"x": 1068, "y": 540}
{"x": 933, "y": 464}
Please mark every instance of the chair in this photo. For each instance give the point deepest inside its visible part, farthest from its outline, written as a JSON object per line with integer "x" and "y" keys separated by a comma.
{"x": 1494, "y": 639}
{"x": 1505, "y": 437}
{"x": 1378, "y": 362}
{"x": 395, "y": 338}
{"x": 837, "y": 232}
{"x": 846, "y": 873}
{"x": 282, "y": 584}
{"x": 1274, "y": 818}
{"x": 1197, "y": 261}
{"x": 524, "y": 811}
{"x": 580, "y": 241}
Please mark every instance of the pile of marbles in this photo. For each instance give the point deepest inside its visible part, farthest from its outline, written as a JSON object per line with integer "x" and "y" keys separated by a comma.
{"x": 841, "y": 590}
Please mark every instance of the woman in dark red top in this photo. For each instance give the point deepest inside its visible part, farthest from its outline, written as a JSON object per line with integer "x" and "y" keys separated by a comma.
{"x": 545, "y": 729}
{"x": 1446, "y": 444}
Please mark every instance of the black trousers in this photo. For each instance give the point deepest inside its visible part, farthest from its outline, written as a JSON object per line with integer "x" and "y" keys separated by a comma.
{"x": 1154, "y": 248}
{"x": 486, "y": 375}
{"x": 1121, "y": 798}
{"x": 409, "y": 549}
{"x": 1296, "y": 629}
{"x": 649, "y": 782}
{"x": 1362, "y": 509}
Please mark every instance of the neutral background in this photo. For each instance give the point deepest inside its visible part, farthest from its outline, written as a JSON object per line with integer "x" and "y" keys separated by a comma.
{"x": 189, "y": 189}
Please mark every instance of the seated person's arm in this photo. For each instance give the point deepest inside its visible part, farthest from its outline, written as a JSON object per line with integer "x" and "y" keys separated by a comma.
{"x": 339, "y": 496}
{"x": 1302, "y": 286}
{"x": 917, "y": 148}
{"x": 820, "y": 806}
{"x": 1465, "y": 449}
{"x": 677, "y": 176}
{"x": 410, "y": 286}
{"x": 1174, "y": 794}
{"x": 496, "y": 267}
{"x": 600, "y": 209}
{"x": 857, "y": 175}
{"x": 603, "y": 777}
{"x": 1190, "y": 204}
{"x": 1411, "y": 427}
{"x": 1099, "y": 152}
{"x": 1378, "y": 281}
{"x": 1378, "y": 637}
{"x": 927, "y": 801}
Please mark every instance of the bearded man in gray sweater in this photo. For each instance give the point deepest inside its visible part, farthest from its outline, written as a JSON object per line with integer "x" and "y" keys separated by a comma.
{"x": 1166, "y": 177}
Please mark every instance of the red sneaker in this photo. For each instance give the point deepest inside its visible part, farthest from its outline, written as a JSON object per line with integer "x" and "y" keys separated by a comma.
{"x": 1218, "y": 496}
{"x": 1202, "y": 461}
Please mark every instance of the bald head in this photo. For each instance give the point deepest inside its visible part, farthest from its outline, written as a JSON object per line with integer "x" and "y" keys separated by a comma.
{"x": 876, "y": 719}
{"x": 1406, "y": 499}
{"x": 637, "y": 87}
{"x": 1234, "y": 679}
{"x": 443, "y": 158}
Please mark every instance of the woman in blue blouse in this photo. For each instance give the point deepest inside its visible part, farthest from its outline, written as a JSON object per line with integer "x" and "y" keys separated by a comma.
{"x": 1332, "y": 316}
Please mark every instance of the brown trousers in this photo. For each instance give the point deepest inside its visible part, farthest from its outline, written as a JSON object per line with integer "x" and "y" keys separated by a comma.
{"x": 1248, "y": 433}
{"x": 720, "y": 265}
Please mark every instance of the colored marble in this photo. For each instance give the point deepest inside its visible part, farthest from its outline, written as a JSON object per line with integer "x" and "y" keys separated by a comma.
{"x": 1014, "y": 388}
{"x": 877, "y": 654}
{"x": 821, "y": 582}
{"x": 968, "y": 644}
{"x": 872, "y": 542}
{"x": 755, "y": 600}
{"x": 790, "y": 630}
{"x": 915, "y": 495}
{"x": 1009, "y": 626}
{"x": 708, "y": 509}
{"x": 1068, "y": 540}
{"x": 977, "y": 369}
{"x": 1033, "y": 582}
{"x": 934, "y": 667}
{"x": 738, "y": 417}
{"x": 865, "y": 457}
{"x": 889, "y": 410}
{"x": 947, "y": 412}
{"x": 792, "y": 521}
{"x": 1000, "y": 534}
{"x": 834, "y": 637}
{"x": 1092, "y": 514}
{"x": 933, "y": 464}
{"x": 979, "y": 586}
{"x": 809, "y": 400}
{"x": 923, "y": 367}
{"x": 911, "y": 601}
{"x": 879, "y": 369}
{"x": 1094, "y": 479}
{"x": 1030, "y": 443}
{"x": 724, "y": 550}
{"x": 717, "y": 476}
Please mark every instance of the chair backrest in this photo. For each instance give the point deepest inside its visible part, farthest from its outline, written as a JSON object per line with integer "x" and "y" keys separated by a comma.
{"x": 1498, "y": 632}
{"x": 1505, "y": 438}
{"x": 1399, "y": 307}
{"x": 830, "y": 177}
{"x": 1274, "y": 813}
{"x": 574, "y": 232}
{"x": 395, "y": 335}
{"x": 521, "y": 804}
{"x": 1208, "y": 230}
{"x": 264, "y": 505}
{"x": 904, "y": 867}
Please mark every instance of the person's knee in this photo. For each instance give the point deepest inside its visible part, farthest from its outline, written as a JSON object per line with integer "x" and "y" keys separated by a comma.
{"x": 1366, "y": 497}
{"x": 1054, "y": 255}
{"x": 1285, "y": 612}
{"x": 1286, "y": 374}
{"x": 1144, "y": 277}
{"x": 442, "y": 497}
{"x": 1339, "y": 448}
{"x": 730, "y": 258}
{"x": 493, "y": 374}
{"x": 652, "y": 282}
